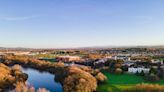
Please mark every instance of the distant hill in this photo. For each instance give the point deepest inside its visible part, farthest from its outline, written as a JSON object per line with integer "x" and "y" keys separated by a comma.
{"x": 17, "y": 48}
{"x": 91, "y": 47}
{"x": 104, "y": 47}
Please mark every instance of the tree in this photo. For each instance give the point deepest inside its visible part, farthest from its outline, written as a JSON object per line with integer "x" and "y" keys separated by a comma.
{"x": 153, "y": 70}
{"x": 79, "y": 81}
{"x": 152, "y": 77}
{"x": 117, "y": 65}
{"x": 137, "y": 73}
{"x": 118, "y": 71}
{"x": 142, "y": 73}
{"x": 101, "y": 77}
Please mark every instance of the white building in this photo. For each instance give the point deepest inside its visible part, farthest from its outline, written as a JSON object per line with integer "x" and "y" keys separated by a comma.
{"x": 125, "y": 58}
{"x": 139, "y": 69}
{"x": 101, "y": 61}
{"x": 128, "y": 63}
{"x": 157, "y": 61}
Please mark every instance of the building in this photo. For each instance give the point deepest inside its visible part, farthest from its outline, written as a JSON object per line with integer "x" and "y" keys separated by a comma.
{"x": 124, "y": 58}
{"x": 68, "y": 58}
{"x": 128, "y": 63}
{"x": 157, "y": 61}
{"x": 138, "y": 69}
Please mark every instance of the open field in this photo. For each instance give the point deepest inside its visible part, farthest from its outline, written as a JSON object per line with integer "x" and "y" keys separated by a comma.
{"x": 117, "y": 83}
{"x": 162, "y": 59}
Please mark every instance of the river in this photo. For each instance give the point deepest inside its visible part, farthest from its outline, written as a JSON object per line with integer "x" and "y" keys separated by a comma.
{"x": 42, "y": 80}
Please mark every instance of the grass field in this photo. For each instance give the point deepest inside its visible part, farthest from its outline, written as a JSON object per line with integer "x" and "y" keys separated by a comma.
{"x": 162, "y": 59}
{"x": 117, "y": 83}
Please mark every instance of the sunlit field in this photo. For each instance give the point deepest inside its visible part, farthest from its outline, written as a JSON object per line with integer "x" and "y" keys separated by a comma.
{"x": 120, "y": 82}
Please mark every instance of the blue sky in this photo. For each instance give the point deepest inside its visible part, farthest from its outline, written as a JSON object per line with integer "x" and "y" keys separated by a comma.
{"x": 81, "y": 23}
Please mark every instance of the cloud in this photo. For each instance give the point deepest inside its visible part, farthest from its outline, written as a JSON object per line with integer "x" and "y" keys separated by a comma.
{"x": 19, "y": 18}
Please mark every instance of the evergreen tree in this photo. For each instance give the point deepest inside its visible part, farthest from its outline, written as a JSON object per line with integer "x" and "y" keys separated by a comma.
{"x": 142, "y": 73}
{"x": 137, "y": 73}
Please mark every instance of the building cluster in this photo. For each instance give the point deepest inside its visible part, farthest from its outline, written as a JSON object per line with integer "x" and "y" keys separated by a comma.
{"x": 134, "y": 59}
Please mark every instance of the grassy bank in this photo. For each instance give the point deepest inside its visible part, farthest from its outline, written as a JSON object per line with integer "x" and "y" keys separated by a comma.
{"x": 117, "y": 83}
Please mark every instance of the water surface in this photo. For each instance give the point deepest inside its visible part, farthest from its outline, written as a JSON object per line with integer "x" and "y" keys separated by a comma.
{"x": 42, "y": 80}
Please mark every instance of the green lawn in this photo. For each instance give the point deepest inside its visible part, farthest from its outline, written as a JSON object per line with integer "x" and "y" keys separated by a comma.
{"x": 117, "y": 83}
{"x": 161, "y": 58}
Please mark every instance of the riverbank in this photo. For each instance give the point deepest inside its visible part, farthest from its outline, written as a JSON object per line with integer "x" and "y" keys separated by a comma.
{"x": 11, "y": 77}
{"x": 73, "y": 78}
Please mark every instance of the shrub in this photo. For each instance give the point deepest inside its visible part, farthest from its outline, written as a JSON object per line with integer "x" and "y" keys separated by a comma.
{"x": 117, "y": 65}
{"x": 146, "y": 88}
{"x": 100, "y": 77}
{"x": 152, "y": 77}
{"x": 16, "y": 67}
{"x": 10, "y": 76}
{"x": 21, "y": 87}
{"x": 118, "y": 71}
{"x": 79, "y": 81}
{"x": 153, "y": 70}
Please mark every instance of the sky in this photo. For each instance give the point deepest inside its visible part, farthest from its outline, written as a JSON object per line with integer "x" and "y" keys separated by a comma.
{"x": 81, "y": 23}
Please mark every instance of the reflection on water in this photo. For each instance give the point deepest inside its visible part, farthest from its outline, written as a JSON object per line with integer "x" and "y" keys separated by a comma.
{"x": 42, "y": 80}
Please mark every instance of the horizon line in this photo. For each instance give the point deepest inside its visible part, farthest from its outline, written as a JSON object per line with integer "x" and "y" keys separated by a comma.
{"x": 112, "y": 46}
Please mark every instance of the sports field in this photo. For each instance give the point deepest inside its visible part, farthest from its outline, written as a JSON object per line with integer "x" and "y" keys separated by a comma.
{"x": 117, "y": 83}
